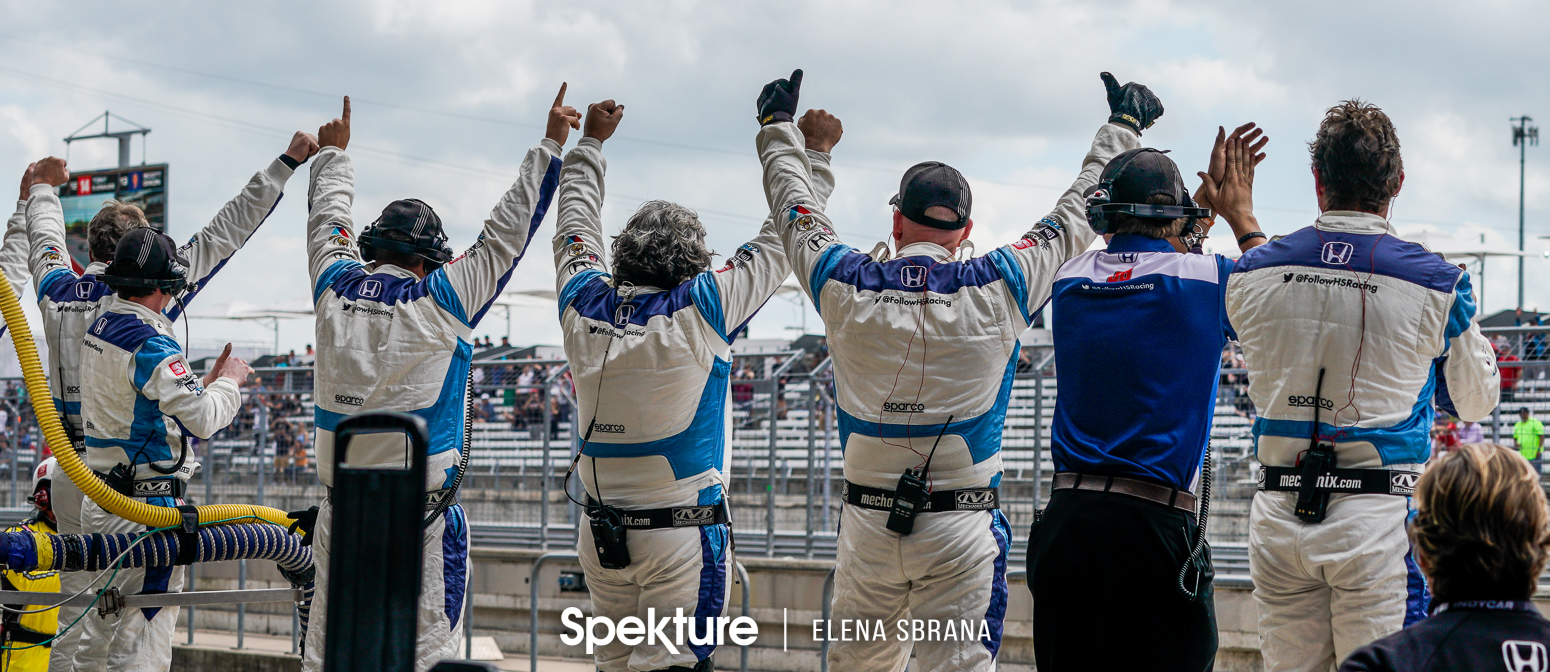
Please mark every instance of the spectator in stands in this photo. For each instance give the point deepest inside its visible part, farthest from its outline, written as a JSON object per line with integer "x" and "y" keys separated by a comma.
{"x": 1444, "y": 436}
{"x": 1129, "y": 448}
{"x": 1482, "y": 534}
{"x": 1528, "y": 433}
{"x": 505, "y": 342}
{"x": 1470, "y": 432}
{"x": 1510, "y": 372}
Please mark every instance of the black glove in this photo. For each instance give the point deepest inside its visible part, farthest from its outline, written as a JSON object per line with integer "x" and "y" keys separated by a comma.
{"x": 778, "y": 101}
{"x": 1133, "y": 104}
{"x": 304, "y": 520}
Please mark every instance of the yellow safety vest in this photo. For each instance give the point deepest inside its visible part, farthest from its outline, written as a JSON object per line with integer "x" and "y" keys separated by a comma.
{"x": 23, "y": 632}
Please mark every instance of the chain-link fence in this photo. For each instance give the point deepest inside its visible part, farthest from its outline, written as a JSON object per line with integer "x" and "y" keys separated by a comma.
{"x": 786, "y": 477}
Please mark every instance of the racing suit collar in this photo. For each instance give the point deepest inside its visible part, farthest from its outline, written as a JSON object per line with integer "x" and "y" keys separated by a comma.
{"x": 95, "y": 268}
{"x": 1351, "y": 221}
{"x": 924, "y": 249}
{"x": 116, "y": 304}
{"x": 1130, "y": 242}
{"x": 393, "y": 270}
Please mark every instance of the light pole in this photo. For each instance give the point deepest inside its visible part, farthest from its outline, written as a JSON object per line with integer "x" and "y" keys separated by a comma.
{"x": 1522, "y": 135}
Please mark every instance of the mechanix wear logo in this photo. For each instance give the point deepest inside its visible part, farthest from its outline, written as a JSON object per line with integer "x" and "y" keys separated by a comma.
{"x": 896, "y": 407}
{"x": 1336, "y": 253}
{"x": 975, "y": 500}
{"x": 912, "y": 276}
{"x": 693, "y": 515}
{"x": 371, "y": 289}
{"x": 1403, "y": 482}
{"x": 1521, "y": 656}
{"x": 159, "y": 488}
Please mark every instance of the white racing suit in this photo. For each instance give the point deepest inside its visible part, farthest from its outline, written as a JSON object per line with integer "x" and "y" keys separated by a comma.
{"x": 390, "y": 341}
{"x": 660, "y": 406}
{"x": 70, "y": 303}
{"x": 916, "y": 340}
{"x": 140, "y": 401}
{"x": 1392, "y": 326}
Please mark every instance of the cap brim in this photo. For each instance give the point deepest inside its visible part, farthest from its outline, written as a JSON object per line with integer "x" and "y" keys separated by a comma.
{"x": 894, "y": 200}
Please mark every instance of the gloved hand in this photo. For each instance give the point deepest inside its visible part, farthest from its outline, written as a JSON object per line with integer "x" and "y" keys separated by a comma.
{"x": 305, "y": 520}
{"x": 1133, "y": 104}
{"x": 778, "y": 101}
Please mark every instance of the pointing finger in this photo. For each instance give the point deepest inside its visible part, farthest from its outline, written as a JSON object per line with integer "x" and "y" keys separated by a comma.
{"x": 346, "y": 117}
{"x": 1109, "y": 83}
{"x": 796, "y": 79}
{"x": 559, "y": 99}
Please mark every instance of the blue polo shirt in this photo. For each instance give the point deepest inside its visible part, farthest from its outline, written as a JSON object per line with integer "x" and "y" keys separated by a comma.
{"x": 1139, "y": 331}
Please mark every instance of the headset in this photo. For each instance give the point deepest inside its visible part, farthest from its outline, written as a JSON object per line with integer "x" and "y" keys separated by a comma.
{"x": 174, "y": 284}
{"x": 1100, "y": 206}
{"x": 428, "y": 245}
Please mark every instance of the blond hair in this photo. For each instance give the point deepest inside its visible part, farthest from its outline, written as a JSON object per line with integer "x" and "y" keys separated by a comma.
{"x": 1481, "y": 530}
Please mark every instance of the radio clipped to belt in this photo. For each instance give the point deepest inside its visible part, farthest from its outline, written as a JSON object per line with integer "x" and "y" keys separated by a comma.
{"x": 911, "y": 496}
{"x": 1312, "y": 502}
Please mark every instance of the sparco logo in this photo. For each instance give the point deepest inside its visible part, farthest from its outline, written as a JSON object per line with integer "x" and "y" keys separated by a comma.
{"x": 348, "y": 400}
{"x": 607, "y": 428}
{"x": 896, "y": 407}
{"x": 1299, "y": 401}
{"x": 976, "y": 499}
{"x": 1521, "y": 656}
{"x": 1403, "y": 482}
{"x": 693, "y": 515}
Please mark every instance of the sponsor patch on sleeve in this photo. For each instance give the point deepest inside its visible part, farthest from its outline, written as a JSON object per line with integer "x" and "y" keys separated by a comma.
{"x": 177, "y": 368}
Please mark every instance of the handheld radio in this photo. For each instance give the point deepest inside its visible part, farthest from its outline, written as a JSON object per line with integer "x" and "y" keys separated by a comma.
{"x": 911, "y": 496}
{"x": 1312, "y": 503}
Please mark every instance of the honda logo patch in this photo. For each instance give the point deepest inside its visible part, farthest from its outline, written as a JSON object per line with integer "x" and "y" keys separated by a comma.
{"x": 1521, "y": 656}
{"x": 102, "y": 323}
{"x": 1336, "y": 253}
{"x": 623, "y": 313}
{"x": 1403, "y": 482}
{"x": 912, "y": 276}
{"x": 693, "y": 515}
{"x": 1127, "y": 257}
{"x": 371, "y": 289}
{"x": 83, "y": 290}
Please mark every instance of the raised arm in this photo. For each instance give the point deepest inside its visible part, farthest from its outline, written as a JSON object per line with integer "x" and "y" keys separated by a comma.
{"x": 331, "y": 248}
{"x": 756, "y": 269}
{"x": 477, "y": 278}
{"x": 13, "y": 247}
{"x": 579, "y": 253}
{"x": 47, "y": 256}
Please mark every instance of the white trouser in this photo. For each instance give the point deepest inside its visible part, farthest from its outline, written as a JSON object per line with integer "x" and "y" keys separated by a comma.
{"x": 66, "y": 500}
{"x": 670, "y": 569}
{"x": 951, "y": 568}
{"x": 1328, "y": 589}
{"x": 443, "y": 587}
{"x": 135, "y": 640}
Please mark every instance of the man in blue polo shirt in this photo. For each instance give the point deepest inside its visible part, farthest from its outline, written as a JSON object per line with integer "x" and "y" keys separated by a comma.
{"x": 1139, "y": 329}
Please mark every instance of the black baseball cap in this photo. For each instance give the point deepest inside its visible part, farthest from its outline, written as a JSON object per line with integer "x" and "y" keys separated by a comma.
{"x": 1139, "y": 174}
{"x": 147, "y": 254}
{"x": 419, "y": 225}
{"x": 931, "y": 184}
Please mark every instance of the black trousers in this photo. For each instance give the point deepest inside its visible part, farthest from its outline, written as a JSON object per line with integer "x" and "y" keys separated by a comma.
{"x": 1104, "y": 572}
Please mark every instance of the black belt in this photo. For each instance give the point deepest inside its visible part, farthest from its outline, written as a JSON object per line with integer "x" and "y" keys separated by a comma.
{"x": 1342, "y": 481}
{"x": 967, "y": 499}
{"x": 672, "y": 516}
{"x": 152, "y": 487}
{"x": 14, "y": 632}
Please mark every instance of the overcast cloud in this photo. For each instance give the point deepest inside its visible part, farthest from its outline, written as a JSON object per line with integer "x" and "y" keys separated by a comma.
{"x": 448, "y": 95}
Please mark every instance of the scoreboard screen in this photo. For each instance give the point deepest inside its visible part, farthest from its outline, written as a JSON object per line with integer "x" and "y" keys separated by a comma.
{"x": 84, "y": 194}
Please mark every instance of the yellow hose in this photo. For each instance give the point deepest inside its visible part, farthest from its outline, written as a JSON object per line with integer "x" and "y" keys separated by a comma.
{"x": 93, "y": 486}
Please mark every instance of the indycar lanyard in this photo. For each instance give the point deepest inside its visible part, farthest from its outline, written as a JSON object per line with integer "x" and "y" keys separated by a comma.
{"x": 1486, "y": 605}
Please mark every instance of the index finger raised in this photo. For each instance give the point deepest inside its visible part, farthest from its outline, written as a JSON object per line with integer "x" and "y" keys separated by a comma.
{"x": 559, "y": 98}
{"x": 346, "y": 117}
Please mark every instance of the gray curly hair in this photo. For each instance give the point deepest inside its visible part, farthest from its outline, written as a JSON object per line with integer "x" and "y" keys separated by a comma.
{"x": 662, "y": 246}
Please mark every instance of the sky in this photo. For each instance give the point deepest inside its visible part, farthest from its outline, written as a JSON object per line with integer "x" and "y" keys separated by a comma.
{"x": 449, "y": 95}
